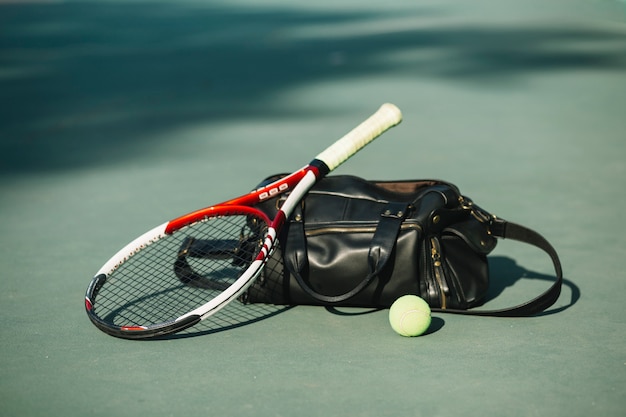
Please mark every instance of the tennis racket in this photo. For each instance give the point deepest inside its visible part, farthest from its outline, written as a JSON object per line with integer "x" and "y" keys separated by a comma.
{"x": 187, "y": 269}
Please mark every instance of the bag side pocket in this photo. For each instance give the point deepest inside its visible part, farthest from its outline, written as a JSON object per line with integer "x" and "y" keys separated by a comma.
{"x": 464, "y": 247}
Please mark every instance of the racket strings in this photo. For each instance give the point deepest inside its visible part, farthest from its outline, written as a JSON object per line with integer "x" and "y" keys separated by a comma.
{"x": 237, "y": 314}
{"x": 181, "y": 271}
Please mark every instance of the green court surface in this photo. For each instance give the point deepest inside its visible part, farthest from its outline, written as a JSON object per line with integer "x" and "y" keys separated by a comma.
{"x": 118, "y": 115}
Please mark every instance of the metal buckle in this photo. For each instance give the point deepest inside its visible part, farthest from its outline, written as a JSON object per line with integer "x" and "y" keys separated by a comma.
{"x": 479, "y": 214}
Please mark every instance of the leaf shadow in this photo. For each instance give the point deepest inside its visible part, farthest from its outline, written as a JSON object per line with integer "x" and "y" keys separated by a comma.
{"x": 91, "y": 84}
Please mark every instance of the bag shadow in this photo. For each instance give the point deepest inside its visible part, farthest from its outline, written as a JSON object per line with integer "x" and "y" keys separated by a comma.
{"x": 505, "y": 272}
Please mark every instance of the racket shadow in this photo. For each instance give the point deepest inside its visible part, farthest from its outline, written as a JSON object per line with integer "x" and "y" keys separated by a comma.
{"x": 236, "y": 314}
{"x": 233, "y": 316}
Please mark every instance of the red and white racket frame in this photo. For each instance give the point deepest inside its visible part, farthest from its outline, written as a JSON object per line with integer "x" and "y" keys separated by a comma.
{"x": 298, "y": 183}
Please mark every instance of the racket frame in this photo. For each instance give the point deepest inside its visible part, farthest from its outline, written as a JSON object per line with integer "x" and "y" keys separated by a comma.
{"x": 299, "y": 183}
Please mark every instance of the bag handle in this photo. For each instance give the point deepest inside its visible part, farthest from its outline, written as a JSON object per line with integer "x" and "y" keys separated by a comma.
{"x": 381, "y": 248}
{"x": 507, "y": 230}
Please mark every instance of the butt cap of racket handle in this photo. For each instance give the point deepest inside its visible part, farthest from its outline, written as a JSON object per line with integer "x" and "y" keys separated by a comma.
{"x": 386, "y": 117}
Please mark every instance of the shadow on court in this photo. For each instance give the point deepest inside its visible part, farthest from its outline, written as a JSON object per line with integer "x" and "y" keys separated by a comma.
{"x": 506, "y": 272}
{"x": 85, "y": 83}
{"x": 233, "y": 316}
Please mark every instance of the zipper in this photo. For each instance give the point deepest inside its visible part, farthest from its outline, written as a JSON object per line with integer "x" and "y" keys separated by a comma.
{"x": 356, "y": 229}
{"x": 435, "y": 254}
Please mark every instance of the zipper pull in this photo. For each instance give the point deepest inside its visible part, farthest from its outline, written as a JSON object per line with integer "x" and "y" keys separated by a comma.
{"x": 436, "y": 257}
{"x": 435, "y": 254}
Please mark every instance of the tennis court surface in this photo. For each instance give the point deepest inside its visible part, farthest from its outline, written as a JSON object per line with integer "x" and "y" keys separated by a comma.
{"x": 119, "y": 115}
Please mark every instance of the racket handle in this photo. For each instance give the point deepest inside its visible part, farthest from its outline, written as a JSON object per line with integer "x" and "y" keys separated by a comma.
{"x": 386, "y": 117}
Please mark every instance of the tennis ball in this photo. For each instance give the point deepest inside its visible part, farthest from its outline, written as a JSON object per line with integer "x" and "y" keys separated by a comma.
{"x": 409, "y": 315}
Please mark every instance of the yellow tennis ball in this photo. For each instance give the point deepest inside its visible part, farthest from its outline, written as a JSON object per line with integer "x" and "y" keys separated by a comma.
{"x": 409, "y": 315}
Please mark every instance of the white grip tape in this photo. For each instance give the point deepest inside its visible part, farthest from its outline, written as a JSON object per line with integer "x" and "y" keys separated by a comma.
{"x": 386, "y": 117}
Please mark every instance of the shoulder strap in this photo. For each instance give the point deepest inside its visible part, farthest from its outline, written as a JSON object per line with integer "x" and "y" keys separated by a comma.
{"x": 507, "y": 230}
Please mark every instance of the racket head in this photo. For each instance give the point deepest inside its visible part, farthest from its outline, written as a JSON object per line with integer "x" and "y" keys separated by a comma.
{"x": 169, "y": 278}
{"x": 149, "y": 288}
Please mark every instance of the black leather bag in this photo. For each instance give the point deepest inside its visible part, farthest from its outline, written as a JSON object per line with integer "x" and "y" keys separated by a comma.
{"x": 360, "y": 243}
